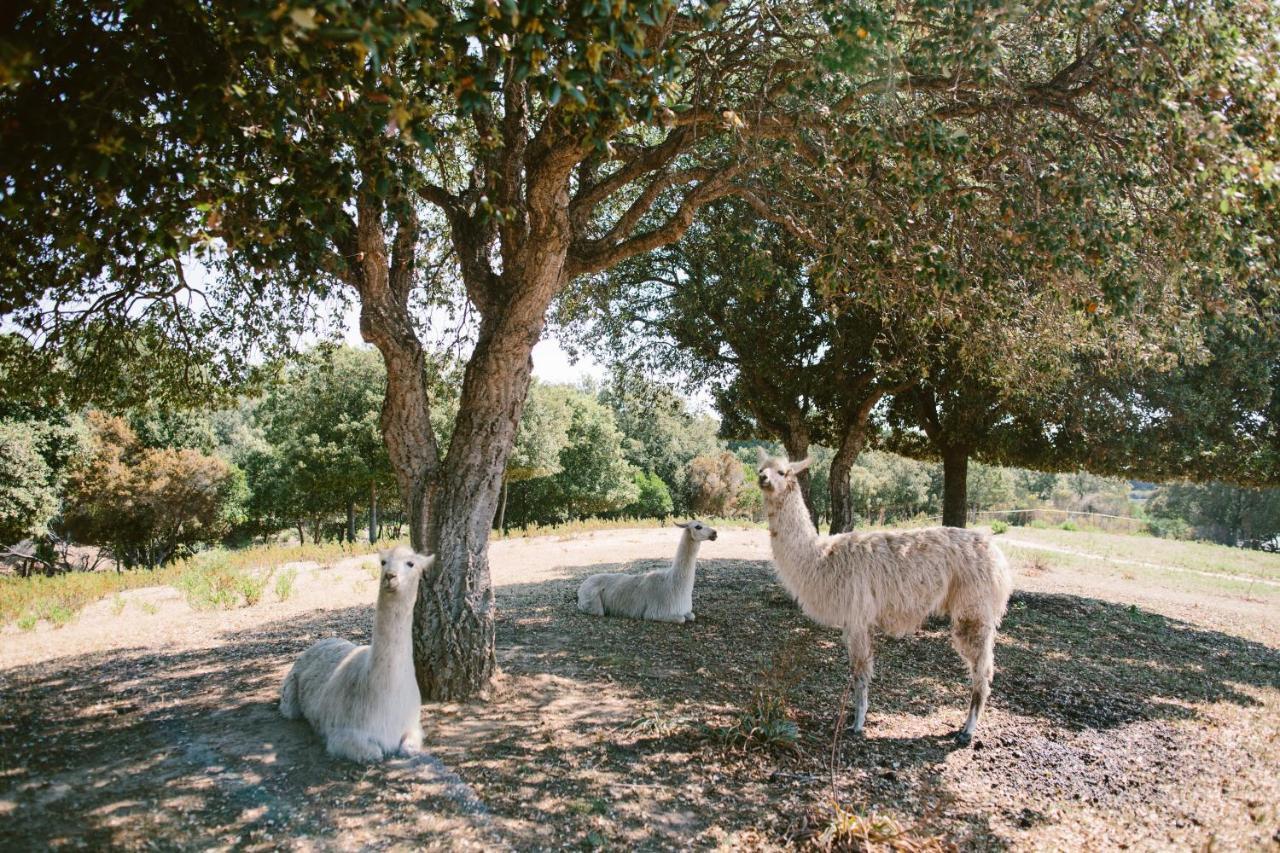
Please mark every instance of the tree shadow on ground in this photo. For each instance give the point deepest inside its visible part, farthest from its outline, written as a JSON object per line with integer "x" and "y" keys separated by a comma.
{"x": 137, "y": 747}
{"x": 605, "y": 728}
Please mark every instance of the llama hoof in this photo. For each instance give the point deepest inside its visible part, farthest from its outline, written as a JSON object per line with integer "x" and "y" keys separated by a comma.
{"x": 964, "y": 738}
{"x": 859, "y": 733}
{"x": 688, "y": 617}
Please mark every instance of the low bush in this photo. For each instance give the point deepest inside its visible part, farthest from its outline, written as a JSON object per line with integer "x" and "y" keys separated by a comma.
{"x": 284, "y": 583}
{"x": 998, "y": 527}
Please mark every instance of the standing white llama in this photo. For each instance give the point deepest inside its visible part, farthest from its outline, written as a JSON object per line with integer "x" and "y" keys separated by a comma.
{"x": 888, "y": 581}
{"x": 663, "y": 595}
{"x": 364, "y": 700}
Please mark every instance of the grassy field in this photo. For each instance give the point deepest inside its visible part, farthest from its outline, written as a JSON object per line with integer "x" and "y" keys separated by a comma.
{"x": 221, "y": 578}
{"x": 217, "y": 578}
{"x": 1194, "y": 556}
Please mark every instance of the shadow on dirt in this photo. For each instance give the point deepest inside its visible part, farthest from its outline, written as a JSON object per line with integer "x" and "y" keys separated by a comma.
{"x": 186, "y": 747}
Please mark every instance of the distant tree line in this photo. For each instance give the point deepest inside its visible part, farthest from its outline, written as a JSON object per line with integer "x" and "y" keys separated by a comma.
{"x": 304, "y": 459}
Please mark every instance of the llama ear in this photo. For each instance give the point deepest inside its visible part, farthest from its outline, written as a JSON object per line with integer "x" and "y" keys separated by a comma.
{"x": 761, "y": 455}
{"x": 428, "y": 560}
{"x": 682, "y": 524}
{"x": 797, "y": 467}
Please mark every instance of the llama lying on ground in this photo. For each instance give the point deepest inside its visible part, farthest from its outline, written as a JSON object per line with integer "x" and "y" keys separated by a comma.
{"x": 888, "y": 581}
{"x": 663, "y": 595}
{"x": 364, "y": 700}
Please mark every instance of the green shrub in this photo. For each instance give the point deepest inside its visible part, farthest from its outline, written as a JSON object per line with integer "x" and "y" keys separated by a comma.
{"x": 58, "y": 613}
{"x": 284, "y": 583}
{"x": 251, "y": 586}
{"x": 210, "y": 583}
{"x": 998, "y": 527}
{"x": 1069, "y": 525}
{"x": 27, "y": 621}
{"x": 1169, "y": 528}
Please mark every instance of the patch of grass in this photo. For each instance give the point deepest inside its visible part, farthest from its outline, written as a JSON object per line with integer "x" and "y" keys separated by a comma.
{"x": 764, "y": 725}
{"x": 998, "y": 527}
{"x": 251, "y": 586}
{"x": 1199, "y": 556}
{"x": 837, "y": 828}
{"x": 210, "y": 584}
{"x": 58, "y": 614}
{"x": 75, "y": 590}
{"x": 117, "y": 604}
{"x": 284, "y": 583}
{"x": 150, "y": 608}
{"x": 27, "y": 621}
{"x": 1070, "y": 526}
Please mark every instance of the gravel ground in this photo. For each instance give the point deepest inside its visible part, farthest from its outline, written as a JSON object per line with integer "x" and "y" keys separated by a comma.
{"x": 1122, "y": 717}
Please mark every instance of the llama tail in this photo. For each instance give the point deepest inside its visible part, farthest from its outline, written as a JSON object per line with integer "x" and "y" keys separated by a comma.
{"x": 289, "y": 707}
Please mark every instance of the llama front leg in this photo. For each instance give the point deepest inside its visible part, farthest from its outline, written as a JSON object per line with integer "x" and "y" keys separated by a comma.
{"x": 411, "y": 743}
{"x": 861, "y": 667}
{"x": 354, "y": 745}
{"x": 975, "y": 641}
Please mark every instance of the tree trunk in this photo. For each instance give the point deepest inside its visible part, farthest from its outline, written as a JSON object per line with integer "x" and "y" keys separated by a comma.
{"x": 351, "y": 522}
{"x": 955, "y": 487}
{"x": 373, "y": 512}
{"x": 453, "y": 638}
{"x": 841, "y": 464}
{"x": 796, "y": 442}
{"x": 302, "y": 536}
{"x": 502, "y": 507}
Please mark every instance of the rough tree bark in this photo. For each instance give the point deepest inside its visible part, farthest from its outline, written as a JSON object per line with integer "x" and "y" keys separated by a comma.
{"x": 841, "y": 463}
{"x": 796, "y": 441}
{"x": 866, "y": 393}
{"x": 351, "y": 521}
{"x": 373, "y": 512}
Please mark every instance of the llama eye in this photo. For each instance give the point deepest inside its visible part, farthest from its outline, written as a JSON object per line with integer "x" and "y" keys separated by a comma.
{"x": 410, "y": 565}
{"x": 384, "y": 562}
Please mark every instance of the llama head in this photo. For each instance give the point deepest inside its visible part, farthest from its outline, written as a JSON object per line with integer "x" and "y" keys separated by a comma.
{"x": 778, "y": 476}
{"x": 401, "y": 568}
{"x": 697, "y": 531}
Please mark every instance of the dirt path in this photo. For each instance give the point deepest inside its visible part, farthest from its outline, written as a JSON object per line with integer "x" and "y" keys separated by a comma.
{"x": 1124, "y": 714}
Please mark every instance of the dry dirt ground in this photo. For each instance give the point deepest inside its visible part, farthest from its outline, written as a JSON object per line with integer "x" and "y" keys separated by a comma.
{"x": 1125, "y": 715}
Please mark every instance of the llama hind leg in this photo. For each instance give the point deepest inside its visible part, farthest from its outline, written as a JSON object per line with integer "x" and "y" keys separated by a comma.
{"x": 975, "y": 641}
{"x": 861, "y": 668}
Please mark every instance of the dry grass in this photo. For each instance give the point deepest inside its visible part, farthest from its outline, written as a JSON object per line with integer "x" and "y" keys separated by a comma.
{"x": 215, "y": 578}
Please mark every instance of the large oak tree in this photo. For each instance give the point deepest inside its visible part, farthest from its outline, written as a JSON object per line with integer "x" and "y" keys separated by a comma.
{"x": 308, "y": 152}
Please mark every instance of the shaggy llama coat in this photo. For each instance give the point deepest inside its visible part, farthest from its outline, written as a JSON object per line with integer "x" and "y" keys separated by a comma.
{"x": 663, "y": 595}
{"x": 364, "y": 700}
{"x": 890, "y": 582}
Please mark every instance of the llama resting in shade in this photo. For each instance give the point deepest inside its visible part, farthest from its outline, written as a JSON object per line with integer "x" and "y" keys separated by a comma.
{"x": 364, "y": 700}
{"x": 888, "y": 581}
{"x": 663, "y": 595}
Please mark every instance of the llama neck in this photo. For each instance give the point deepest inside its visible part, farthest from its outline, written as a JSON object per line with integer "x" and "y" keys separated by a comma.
{"x": 682, "y": 567}
{"x": 389, "y": 649}
{"x": 793, "y": 537}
